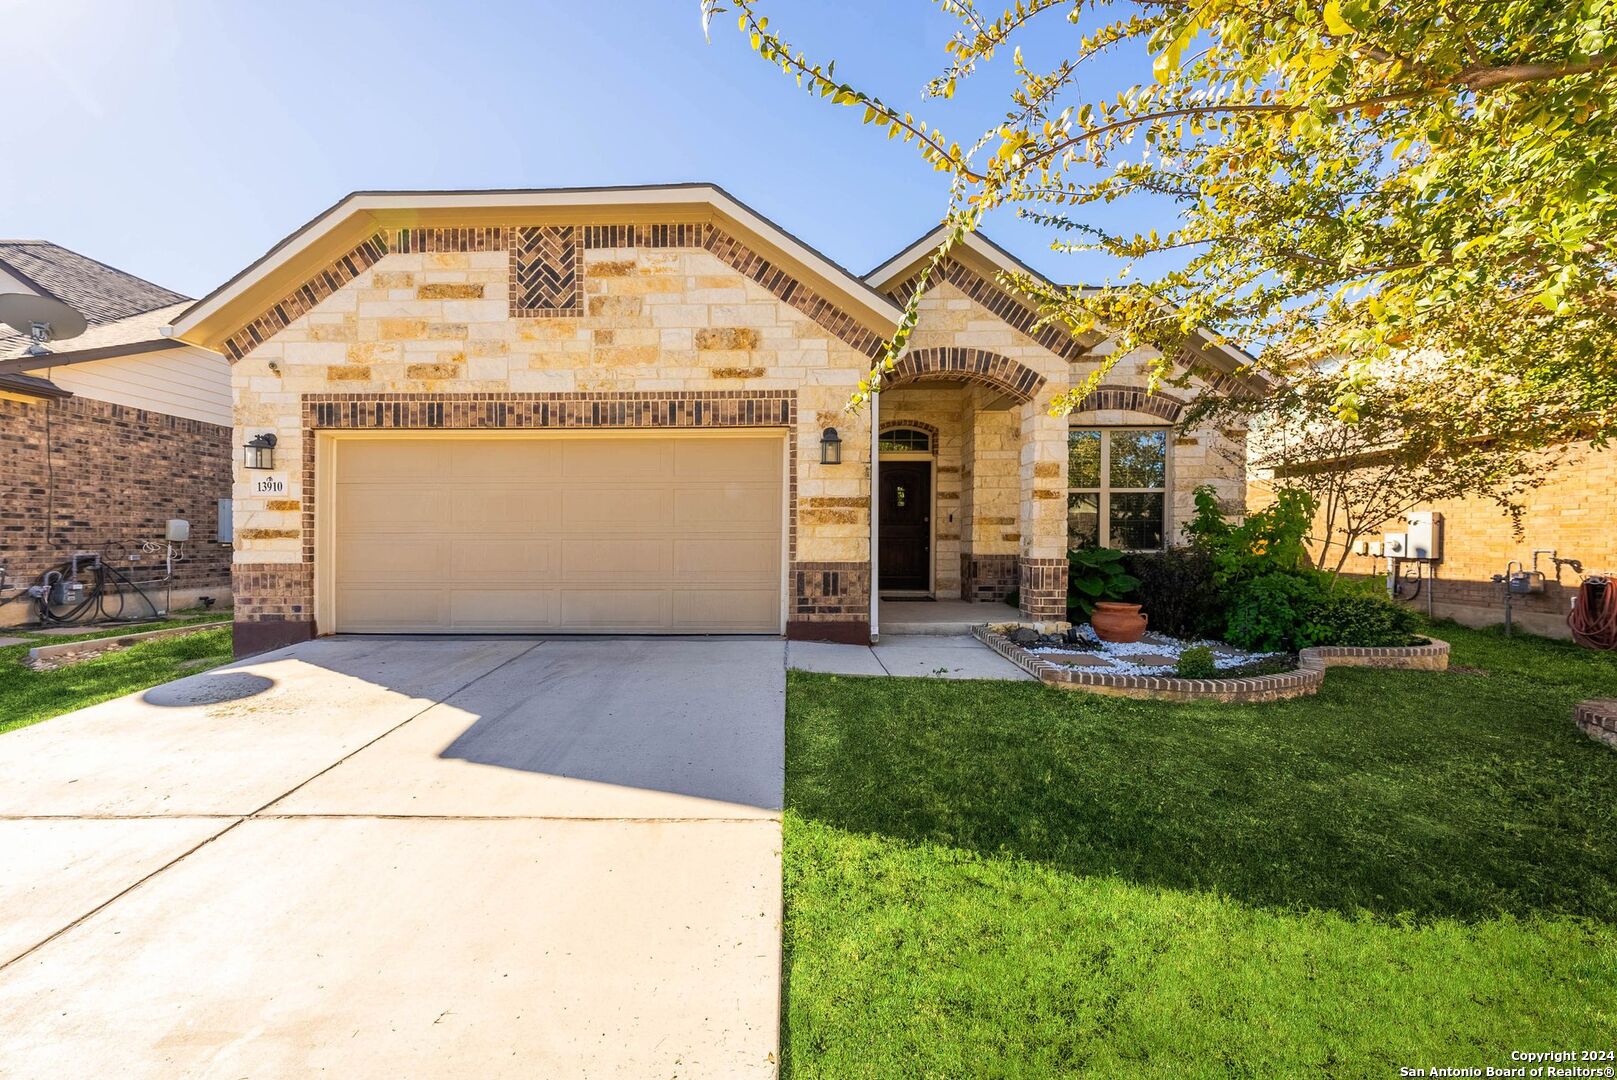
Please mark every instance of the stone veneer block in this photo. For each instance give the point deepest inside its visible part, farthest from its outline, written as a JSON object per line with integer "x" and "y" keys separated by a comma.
{"x": 1597, "y": 719}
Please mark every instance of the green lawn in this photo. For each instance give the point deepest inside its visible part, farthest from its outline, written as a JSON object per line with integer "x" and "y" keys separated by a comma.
{"x": 27, "y": 696}
{"x": 998, "y": 879}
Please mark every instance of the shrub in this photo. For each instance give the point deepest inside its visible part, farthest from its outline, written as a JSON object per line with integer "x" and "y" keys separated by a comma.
{"x": 1176, "y": 587}
{"x": 1268, "y": 613}
{"x": 1196, "y": 662}
{"x": 1353, "y": 617}
{"x": 1096, "y": 574}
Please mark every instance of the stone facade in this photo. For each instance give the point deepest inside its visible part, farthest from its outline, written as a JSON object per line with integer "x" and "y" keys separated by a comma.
{"x": 683, "y": 324}
{"x": 78, "y": 475}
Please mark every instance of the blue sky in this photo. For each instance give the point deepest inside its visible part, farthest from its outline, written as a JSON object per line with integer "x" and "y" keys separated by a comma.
{"x": 179, "y": 139}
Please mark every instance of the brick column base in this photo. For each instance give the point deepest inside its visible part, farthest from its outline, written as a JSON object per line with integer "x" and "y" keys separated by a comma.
{"x": 830, "y": 602}
{"x": 274, "y": 606}
{"x": 1043, "y": 585}
{"x": 987, "y": 577}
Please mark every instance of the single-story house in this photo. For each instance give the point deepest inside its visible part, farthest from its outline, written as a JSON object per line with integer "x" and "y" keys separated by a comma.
{"x": 623, "y": 410}
{"x": 106, "y": 436}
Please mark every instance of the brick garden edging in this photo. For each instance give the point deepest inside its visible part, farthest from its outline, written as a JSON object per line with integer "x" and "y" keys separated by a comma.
{"x": 1310, "y": 673}
{"x": 1597, "y": 718}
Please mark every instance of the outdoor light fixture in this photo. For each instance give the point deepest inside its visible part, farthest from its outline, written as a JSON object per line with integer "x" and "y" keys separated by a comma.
{"x": 259, "y": 451}
{"x": 830, "y": 447}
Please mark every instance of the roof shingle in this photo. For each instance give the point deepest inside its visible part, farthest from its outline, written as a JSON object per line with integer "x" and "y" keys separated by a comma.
{"x": 101, "y": 293}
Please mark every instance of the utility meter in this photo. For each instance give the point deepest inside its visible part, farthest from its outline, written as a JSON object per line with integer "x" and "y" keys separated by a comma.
{"x": 179, "y": 531}
{"x": 1424, "y": 538}
{"x": 1395, "y": 545}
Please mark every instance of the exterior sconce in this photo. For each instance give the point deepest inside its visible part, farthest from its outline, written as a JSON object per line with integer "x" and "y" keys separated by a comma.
{"x": 830, "y": 447}
{"x": 259, "y": 451}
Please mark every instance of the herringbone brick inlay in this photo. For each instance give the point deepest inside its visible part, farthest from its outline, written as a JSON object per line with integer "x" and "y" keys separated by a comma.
{"x": 547, "y": 271}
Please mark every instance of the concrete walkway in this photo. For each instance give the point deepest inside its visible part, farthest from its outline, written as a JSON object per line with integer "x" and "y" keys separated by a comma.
{"x": 382, "y": 857}
{"x": 934, "y": 656}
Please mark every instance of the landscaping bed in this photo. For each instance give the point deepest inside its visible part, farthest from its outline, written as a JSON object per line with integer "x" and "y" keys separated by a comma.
{"x": 1153, "y": 667}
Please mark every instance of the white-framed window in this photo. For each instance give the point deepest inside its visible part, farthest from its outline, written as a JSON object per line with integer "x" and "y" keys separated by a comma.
{"x": 1117, "y": 487}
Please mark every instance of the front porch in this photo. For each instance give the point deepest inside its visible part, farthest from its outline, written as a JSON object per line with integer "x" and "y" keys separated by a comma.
{"x": 938, "y": 618}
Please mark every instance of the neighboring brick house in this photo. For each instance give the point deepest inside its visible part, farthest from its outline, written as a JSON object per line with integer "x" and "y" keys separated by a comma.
{"x": 604, "y": 410}
{"x": 111, "y": 433}
{"x": 1573, "y": 514}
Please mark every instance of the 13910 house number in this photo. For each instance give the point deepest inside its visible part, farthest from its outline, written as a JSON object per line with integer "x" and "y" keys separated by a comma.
{"x": 270, "y": 484}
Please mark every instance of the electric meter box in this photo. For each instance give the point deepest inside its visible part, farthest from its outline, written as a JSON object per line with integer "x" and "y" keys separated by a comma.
{"x": 1395, "y": 545}
{"x": 1424, "y": 535}
{"x": 179, "y": 530}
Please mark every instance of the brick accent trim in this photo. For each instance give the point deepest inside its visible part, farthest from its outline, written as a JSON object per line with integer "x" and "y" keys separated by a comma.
{"x": 1043, "y": 587}
{"x": 792, "y": 291}
{"x": 1597, "y": 719}
{"x": 1131, "y": 399}
{"x": 1008, "y": 376}
{"x": 333, "y": 276}
{"x": 554, "y": 254}
{"x": 547, "y": 271}
{"x": 1017, "y": 313}
{"x": 988, "y": 578}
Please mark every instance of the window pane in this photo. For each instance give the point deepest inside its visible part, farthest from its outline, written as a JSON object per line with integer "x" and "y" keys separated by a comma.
{"x": 1083, "y": 521}
{"x": 1139, "y": 459}
{"x": 1083, "y": 459}
{"x": 906, "y": 439}
{"x": 1137, "y": 521}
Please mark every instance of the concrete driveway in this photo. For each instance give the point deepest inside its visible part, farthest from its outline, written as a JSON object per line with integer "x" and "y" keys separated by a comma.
{"x": 385, "y": 857}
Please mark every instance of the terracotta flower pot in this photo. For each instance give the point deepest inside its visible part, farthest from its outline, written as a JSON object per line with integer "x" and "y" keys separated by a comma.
{"x": 1122, "y": 623}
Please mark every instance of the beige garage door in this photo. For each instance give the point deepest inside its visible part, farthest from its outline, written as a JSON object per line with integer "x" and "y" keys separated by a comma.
{"x": 578, "y": 534}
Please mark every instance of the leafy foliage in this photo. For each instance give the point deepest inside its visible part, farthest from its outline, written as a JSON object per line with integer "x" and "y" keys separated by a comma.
{"x": 1196, "y": 662}
{"x": 1176, "y": 587}
{"x": 1356, "y": 179}
{"x": 1271, "y": 596}
{"x": 1096, "y": 574}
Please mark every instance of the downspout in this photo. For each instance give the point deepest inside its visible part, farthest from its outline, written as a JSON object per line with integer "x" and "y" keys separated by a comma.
{"x": 875, "y": 514}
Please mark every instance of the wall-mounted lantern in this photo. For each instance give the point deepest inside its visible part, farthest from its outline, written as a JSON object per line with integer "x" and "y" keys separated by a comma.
{"x": 830, "y": 447}
{"x": 259, "y": 451}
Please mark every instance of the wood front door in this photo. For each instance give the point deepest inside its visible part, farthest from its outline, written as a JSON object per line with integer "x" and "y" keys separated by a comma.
{"x": 905, "y": 543}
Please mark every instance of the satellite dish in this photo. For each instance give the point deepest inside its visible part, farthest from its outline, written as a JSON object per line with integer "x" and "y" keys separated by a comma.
{"x": 42, "y": 318}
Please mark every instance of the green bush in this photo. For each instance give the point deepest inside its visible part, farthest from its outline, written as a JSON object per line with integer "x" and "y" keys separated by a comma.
{"x": 1093, "y": 575}
{"x": 1351, "y": 617}
{"x": 1177, "y": 590}
{"x": 1196, "y": 662}
{"x": 1268, "y": 613}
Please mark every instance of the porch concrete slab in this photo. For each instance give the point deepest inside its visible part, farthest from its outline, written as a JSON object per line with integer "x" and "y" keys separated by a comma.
{"x": 228, "y": 741}
{"x": 54, "y": 872}
{"x": 945, "y": 658}
{"x": 832, "y": 659}
{"x": 368, "y": 947}
{"x": 579, "y": 728}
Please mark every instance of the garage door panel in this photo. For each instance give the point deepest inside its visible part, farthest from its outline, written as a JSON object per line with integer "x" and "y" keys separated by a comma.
{"x": 393, "y": 461}
{"x": 402, "y": 559}
{"x": 585, "y": 535}
{"x": 626, "y": 560}
{"x": 514, "y": 559}
{"x": 381, "y": 610}
{"x": 744, "y": 610}
{"x": 512, "y": 609}
{"x": 372, "y": 509}
{"x": 717, "y": 459}
{"x": 727, "y": 509}
{"x": 476, "y": 460}
{"x": 618, "y": 460}
{"x": 616, "y": 609}
{"x": 602, "y": 511}
{"x": 724, "y": 559}
{"x": 504, "y": 508}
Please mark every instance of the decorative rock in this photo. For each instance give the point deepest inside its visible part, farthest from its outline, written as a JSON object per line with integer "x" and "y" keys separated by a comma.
{"x": 1149, "y": 659}
{"x": 1074, "y": 659}
{"x": 1023, "y": 636}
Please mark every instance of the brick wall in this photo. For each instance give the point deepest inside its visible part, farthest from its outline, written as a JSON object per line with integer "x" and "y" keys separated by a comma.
{"x": 84, "y": 475}
{"x": 1575, "y": 513}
